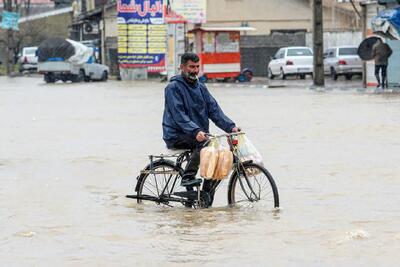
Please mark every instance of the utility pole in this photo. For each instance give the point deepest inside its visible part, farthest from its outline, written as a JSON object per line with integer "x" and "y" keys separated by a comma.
{"x": 318, "y": 47}
{"x": 364, "y": 35}
{"x": 9, "y": 37}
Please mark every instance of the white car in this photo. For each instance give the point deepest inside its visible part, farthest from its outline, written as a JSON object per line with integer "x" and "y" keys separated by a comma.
{"x": 291, "y": 61}
{"x": 342, "y": 60}
{"x": 28, "y": 59}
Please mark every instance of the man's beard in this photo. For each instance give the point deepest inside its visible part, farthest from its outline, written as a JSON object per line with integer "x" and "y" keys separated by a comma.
{"x": 192, "y": 77}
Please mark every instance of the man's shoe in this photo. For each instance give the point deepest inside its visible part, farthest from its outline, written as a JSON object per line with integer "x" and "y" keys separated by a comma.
{"x": 191, "y": 182}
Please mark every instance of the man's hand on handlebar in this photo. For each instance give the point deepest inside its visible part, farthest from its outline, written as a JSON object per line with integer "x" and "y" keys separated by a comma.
{"x": 236, "y": 129}
{"x": 201, "y": 136}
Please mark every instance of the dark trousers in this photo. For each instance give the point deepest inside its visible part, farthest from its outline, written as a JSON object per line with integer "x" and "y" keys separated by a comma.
{"x": 382, "y": 69}
{"x": 192, "y": 166}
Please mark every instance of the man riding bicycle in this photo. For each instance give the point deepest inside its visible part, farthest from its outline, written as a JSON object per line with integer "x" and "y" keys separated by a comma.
{"x": 188, "y": 108}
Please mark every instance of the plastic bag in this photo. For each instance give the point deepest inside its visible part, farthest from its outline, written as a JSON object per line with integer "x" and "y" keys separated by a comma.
{"x": 247, "y": 151}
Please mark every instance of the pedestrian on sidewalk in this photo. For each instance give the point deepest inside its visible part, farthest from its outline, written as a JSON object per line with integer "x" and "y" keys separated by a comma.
{"x": 381, "y": 53}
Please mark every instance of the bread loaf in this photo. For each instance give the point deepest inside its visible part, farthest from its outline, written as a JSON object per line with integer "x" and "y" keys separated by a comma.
{"x": 224, "y": 164}
{"x": 208, "y": 161}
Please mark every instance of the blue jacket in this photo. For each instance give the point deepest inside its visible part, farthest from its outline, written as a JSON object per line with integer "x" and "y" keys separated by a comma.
{"x": 188, "y": 108}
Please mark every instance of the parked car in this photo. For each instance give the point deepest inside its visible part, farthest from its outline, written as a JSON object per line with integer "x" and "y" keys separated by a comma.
{"x": 342, "y": 60}
{"x": 28, "y": 59}
{"x": 291, "y": 61}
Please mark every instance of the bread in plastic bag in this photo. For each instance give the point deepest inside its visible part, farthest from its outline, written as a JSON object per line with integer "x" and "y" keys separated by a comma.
{"x": 208, "y": 160}
{"x": 224, "y": 164}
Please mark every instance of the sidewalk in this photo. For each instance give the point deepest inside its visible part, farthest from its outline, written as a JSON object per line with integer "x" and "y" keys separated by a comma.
{"x": 293, "y": 83}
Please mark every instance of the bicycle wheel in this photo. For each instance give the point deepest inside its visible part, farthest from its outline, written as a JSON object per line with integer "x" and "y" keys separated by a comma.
{"x": 159, "y": 182}
{"x": 254, "y": 185}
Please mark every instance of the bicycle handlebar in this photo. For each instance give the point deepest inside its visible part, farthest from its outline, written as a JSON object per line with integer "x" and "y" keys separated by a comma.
{"x": 223, "y": 135}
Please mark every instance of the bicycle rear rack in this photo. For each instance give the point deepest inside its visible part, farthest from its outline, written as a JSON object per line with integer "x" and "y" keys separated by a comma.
{"x": 158, "y": 172}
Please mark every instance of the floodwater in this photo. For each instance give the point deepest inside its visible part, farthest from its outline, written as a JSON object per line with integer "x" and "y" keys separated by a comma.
{"x": 69, "y": 153}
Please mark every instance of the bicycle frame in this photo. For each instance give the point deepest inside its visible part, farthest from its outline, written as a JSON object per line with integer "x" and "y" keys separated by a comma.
{"x": 238, "y": 166}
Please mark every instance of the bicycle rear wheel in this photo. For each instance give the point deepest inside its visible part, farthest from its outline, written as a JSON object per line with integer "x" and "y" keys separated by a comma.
{"x": 159, "y": 181}
{"x": 254, "y": 185}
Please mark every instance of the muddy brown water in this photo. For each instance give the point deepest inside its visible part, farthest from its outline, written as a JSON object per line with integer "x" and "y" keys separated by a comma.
{"x": 69, "y": 153}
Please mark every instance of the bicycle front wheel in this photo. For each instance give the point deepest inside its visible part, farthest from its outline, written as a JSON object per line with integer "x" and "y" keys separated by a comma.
{"x": 252, "y": 185}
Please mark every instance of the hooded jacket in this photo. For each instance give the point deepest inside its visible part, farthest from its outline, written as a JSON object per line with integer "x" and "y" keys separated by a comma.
{"x": 188, "y": 108}
{"x": 381, "y": 53}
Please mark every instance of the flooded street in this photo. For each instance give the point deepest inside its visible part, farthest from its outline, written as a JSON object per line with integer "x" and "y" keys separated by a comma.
{"x": 69, "y": 153}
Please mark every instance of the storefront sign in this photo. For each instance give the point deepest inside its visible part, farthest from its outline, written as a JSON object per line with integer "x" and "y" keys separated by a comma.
{"x": 141, "y": 34}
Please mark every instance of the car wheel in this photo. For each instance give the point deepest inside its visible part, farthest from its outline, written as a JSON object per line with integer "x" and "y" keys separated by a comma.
{"x": 86, "y": 78}
{"x": 349, "y": 76}
{"x": 48, "y": 78}
{"x": 283, "y": 75}
{"x": 302, "y": 76}
{"x": 270, "y": 75}
{"x": 334, "y": 75}
{"x": 79, "y": 77}
{"x": 104, "y": 76}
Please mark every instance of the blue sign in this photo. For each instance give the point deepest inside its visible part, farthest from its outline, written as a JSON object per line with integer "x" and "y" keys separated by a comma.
{"x": 142, "y": 34}
{"x": 10, "y": 21}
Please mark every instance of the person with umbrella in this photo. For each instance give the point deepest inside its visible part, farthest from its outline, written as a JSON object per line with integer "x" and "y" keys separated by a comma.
{"x": 381, "y": 53}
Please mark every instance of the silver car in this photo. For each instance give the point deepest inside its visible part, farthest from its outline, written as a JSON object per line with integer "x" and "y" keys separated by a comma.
{"x": 342, "y": 60}
{"x": 28, "y": 59}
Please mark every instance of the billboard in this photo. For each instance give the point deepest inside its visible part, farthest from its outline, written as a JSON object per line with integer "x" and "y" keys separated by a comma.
{"x": 141, "y": 34}
{"x": 185, "y": 11}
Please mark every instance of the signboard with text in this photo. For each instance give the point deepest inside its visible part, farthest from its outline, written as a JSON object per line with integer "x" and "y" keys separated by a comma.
{"x": 141, "y": 34}
{"x": 185, "y": 11}
{"x": 10, "y": 21}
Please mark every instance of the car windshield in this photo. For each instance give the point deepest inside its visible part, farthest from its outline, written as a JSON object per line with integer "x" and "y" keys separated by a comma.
{"x": 348, "y": 51}
{"x": 30, "y": 51}
{"x": 297, "y": 52}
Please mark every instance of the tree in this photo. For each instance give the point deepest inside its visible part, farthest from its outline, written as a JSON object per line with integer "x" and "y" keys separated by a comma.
{"x": 12, "y": 42}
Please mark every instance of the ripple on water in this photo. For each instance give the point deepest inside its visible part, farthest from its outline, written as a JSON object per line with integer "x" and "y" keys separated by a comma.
{"x": 102, "y": 194}
{"x": 25, "y": 233}
{"x": 358, "y": 234}
{"x": 92, "y": 159}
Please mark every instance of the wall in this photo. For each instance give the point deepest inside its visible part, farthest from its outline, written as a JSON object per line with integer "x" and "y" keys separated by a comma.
{"x": 332, "y": 39}
{"x": 267, "y": 15}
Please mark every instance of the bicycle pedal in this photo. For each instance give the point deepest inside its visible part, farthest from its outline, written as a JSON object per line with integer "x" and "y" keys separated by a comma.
{"x": 192, "y": 195}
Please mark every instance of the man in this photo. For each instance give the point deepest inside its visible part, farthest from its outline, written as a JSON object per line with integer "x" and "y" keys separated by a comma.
{"x": 188, "y": 108}
{"x": 381, "y": 53}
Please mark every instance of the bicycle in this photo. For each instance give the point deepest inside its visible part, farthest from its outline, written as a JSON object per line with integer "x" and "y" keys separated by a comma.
{"x": 249, "y": 182}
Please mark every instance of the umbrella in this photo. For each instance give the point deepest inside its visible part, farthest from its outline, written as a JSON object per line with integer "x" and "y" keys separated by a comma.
{"x": 365, "y": 49}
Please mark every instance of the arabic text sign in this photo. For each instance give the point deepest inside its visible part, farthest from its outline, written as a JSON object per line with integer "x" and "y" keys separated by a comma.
{"x": 10, "y": 21}
{"x": 141, "y": 35}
